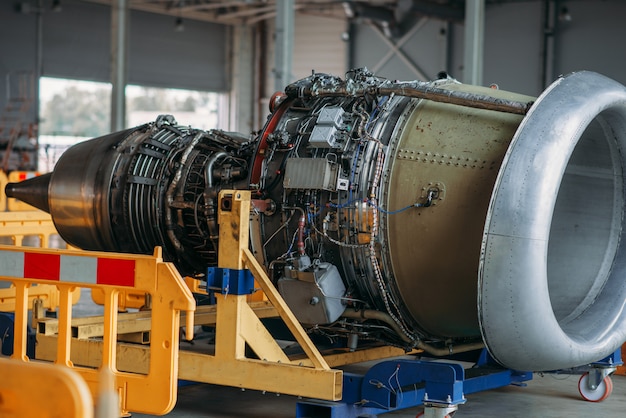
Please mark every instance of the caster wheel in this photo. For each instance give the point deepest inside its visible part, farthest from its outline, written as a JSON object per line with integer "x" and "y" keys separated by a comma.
{"x": 603, "y": 391}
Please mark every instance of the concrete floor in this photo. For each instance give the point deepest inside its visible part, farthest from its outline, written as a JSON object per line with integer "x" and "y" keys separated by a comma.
{"x": 546, "y": 396}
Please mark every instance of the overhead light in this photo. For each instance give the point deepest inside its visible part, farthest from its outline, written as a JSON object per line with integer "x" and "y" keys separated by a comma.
{"x": 348, "y": 10}
{"x": 179, "y": 26}
{"x": 564, "y": 15}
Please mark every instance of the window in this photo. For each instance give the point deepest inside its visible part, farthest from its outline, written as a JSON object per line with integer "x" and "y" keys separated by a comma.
{"x": 193, "y": 108}
{"x": 73, "y": 110}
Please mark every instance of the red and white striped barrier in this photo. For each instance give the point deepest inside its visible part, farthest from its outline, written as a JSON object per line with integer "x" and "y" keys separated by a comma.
{"x": 67, "y": 268}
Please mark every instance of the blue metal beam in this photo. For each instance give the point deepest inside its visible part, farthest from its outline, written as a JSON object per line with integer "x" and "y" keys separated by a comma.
{"x": 404, "y": 383}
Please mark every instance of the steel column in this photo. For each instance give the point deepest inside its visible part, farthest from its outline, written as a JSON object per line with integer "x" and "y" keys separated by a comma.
{"x": 283, "y": 54}
{"x": 119, "y": 26}
{"x": 474, "y": 39}
{"x": 242, "y": 92}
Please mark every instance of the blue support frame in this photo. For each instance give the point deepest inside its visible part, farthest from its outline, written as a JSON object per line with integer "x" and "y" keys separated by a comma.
{"x": 613, "y": 360}
{"x": 404, "y": 383}
{"x": 230, "y": 281}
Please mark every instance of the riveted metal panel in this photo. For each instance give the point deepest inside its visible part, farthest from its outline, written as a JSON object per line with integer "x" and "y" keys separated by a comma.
{"x": 456, "y": 151}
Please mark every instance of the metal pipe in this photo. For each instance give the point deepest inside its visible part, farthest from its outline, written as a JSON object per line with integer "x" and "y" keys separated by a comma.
{"x": 169, "y": 196}
{"x": 477, "y": 101}
{"x": 451, "y": 349}
{"x": 301, "y": 225}
{"x": 208, "y": 173}
{"x": 435, "y": 351}
{"x": 209, "y": 197}
{"x": 418, "y": 90}
{"x": 377, "y": 315}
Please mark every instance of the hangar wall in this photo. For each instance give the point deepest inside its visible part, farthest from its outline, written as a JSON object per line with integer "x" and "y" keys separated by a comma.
{"x": 317, "y": 45}
{"x": 76, "y": 44}
{"x": 518, "y": 57}
{"x": 514, "y": 50}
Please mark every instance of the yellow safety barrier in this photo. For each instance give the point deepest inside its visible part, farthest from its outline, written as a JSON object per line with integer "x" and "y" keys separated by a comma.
{"x": 152, "y": 391}
{"x": 16, "y": 226}
{"x": 127, "y": 299}
{"x": 4, "y": 180}
{"x": 35, "y": 389}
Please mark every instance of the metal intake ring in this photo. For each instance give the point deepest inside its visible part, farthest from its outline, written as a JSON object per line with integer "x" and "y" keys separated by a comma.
{"x": 551, "y": 291}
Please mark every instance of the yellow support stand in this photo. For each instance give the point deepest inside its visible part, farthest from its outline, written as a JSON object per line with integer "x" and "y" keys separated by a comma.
{"x": 237, "y": 325}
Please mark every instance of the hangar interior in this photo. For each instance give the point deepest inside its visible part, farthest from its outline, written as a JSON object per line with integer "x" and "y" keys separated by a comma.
{"x": 243, "y": 53}
{"x": 526, "y": 44}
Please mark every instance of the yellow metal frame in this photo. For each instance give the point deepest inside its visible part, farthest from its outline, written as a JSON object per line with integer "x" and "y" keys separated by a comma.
{"x": 237, "y": 325}
{"x": 151, "y": 393}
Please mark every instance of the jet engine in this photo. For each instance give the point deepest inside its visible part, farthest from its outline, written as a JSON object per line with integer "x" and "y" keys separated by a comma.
{"x": 433, "y": 214}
